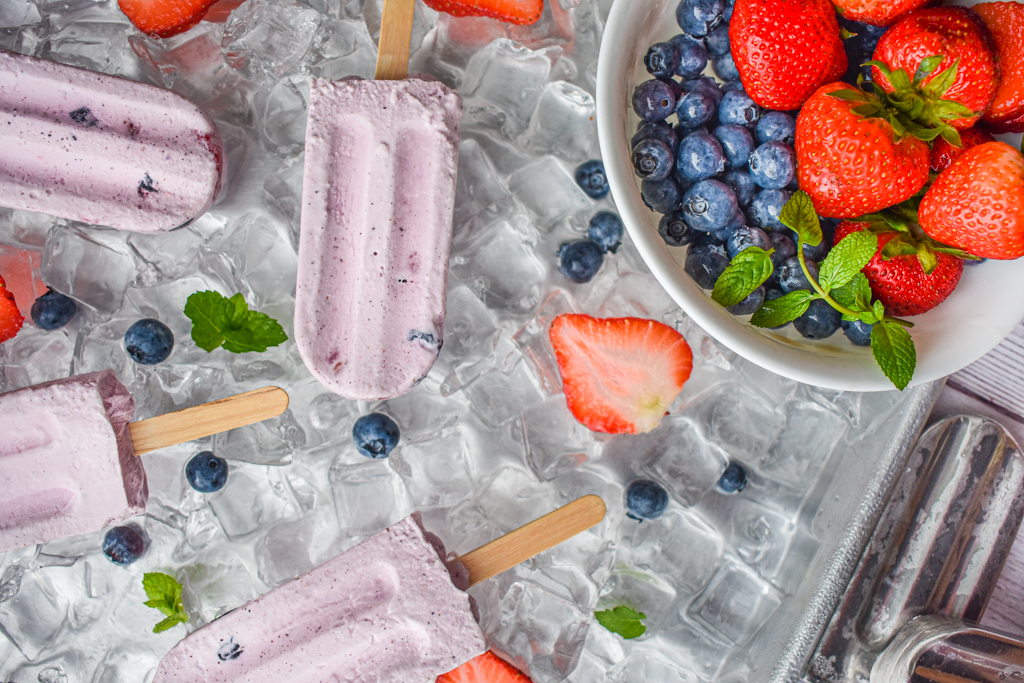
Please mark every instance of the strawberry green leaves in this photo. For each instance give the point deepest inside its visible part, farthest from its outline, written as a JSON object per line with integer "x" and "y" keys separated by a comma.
{"x": 164, "y": 593}
{"x": 218, "y": 320}
{"x": 622, "y": 620}
{"x": 747, "y": 271}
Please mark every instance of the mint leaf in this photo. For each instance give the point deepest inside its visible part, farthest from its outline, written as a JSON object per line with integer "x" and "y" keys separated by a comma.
{"x": 847, "y": 258}
{"x": 855, "y": 294}
{"x": 747, "y": 271}
{"x": 217, "y": 320}
{"x": 799, "y": 216}
{"x": 622, "y": 620}
{"x": 783, "y": 310}
{"x": 164, "y": 593}
{"x": 894, "y": 352}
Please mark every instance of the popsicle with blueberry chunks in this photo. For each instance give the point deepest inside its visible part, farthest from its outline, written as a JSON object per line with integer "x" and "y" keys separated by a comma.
{"x": 103, "y": 150}
{"x": 68, "y": 454}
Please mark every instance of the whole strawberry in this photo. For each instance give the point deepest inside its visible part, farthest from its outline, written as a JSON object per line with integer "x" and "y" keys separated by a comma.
{"x": 11, "y": 318}
{"x": 876, "y": 12}
{"x": 968, "y": 73}
{"x": 900, "y": 282}
{"x": 785, "y": 49}
{"x": 944, "y": 154}
{"x": 1006, "y": 22}
{"x": 852, "y": 164}
{"x": 977, "y": 204}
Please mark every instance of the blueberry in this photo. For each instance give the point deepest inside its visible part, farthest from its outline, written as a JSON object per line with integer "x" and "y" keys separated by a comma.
{"x": 605, "y": 231}
{"x": 700, "y": 156}
{"x": 579, "y": 261}
{"x": 53, "y": 310}
{"x": 741, "y": 184}
{"x": 653, "y": 100}
{"x": 645, "y": 499}
{"x": 725, "y": 68}
{"x": 591, "y": 178}
{"x": 733, "y": 86}
{"x": 697, "y": 17}
{"x": 662, "y": 60}
{"x": 859, "y": 48}
{"x": 791, "y": 275}
{"x": 727, "y": 12}
{"x": 693, "y": 55}
{"x": 706, "y": 85}
{"x": 709, "y": 205}
{"x": 773, "y": 165}
{"x": 658, "y": 130}
{"x": 705, "y": 263}
{"x": 733, "y": 479}
{"x": 820, "y": 250}
{"x": 784, "y": 247}
{"x": 717, "y": 39}
{"x": 750, "y": 303}
{"x": 148, "y": 341}
{"x": 652, "y": 159}
{"x": 974, "y": 261}
{"x": 694, "y": 109}
{"x": 819, "y": 321}
{"x": 674, "y": 230}
{"x": 857, "y": 331}
{"x": 376, "y": 435}
{"x": 206, "y": 473}
{"x": 124, "y": 544}
{"x": 704, "y": 239}
{"x": 736, "y": 107}
{"x": 662, "y": 196}
{"x": 776, "y": 126}
{"x": 764, "y": 210}
{"x": 744, "y": 238}
{"x": 737, "y": 143}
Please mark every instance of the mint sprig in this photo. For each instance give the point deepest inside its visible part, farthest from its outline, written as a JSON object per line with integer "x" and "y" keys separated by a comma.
{"x": 622, "y": 620}
{"x": 164, "y": 593}
{"x": 746, "y": 272}
{"x": 218, "y": 320}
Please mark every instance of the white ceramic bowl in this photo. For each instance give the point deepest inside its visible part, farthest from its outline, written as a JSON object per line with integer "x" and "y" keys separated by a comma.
{"x": 986, "y": 305}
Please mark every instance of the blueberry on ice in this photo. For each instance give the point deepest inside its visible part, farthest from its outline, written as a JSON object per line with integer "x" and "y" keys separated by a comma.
{"x": 773, "y": 165}
{"x": 206, "y": 473}
{"x": 653, "y": 100}
{"x": 652, "y": 159}
{"x": 645, "y": 499}
{"x": 697, "y": 17}
{"x": 591, "y": 178}
{"x": 606, "y": 231}
{"x": 857, "y": 331}
{"x": 148, "y": 341}
{"x": 375, "y": 435}
{"x": 123, "y": 544}
{"x": 733, "y": 479}
{"x": 819, "y": 321}
{"x": 705, "y": 264}
{"x": 53, "y": 310}
{"x": 579, "y": 261}
{"x": 662, "y": 60}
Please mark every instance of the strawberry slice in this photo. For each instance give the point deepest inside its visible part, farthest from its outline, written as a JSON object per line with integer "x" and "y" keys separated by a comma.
{"x": 619, "y": 375}
{"x": 11, "y": 318}
{"x": 513, "y": 11}
{"x": 164, "y": 18}
{"x": 487, "y": 668}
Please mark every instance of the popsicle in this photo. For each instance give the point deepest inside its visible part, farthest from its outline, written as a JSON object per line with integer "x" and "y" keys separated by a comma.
{"x": 387, "y": 610}
{"x": 68, "y": 455}
{"x": 377, "y": 200}
{"x": 103, "y": 150}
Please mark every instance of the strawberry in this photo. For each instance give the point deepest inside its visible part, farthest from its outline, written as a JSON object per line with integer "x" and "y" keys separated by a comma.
{"x": 977, "y": 204}
{"x": 1006, "y": 22}
{"x": 619, "y": 375}
{"x": 876, "y": 12}
{"x": 164, "y": 18}
{"x": 11, "y": 318}
{"x": 785, "y": 49}
{"x": 967, "y": 74}
{"x": 852, "y": 163}
{"x": 900, "y": 281}
{"x": 486, "y": 668}
{"x": 944, "y": 154}
{"x": 512, "y": 11}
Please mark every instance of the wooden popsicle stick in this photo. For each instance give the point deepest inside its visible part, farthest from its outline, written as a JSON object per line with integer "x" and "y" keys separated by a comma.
{"x": 206, "y": 419}
{"x": 395, "y": 37}
{"x": 537, "y": 536}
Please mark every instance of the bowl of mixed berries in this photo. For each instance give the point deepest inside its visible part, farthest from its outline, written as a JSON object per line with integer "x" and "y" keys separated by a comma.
{"x": 832, "y": 189}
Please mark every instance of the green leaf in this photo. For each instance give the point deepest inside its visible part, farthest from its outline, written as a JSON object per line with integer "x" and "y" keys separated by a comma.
{"x": 928, "y": 258}
{"x": 881, "y": 66}
{"x": 849, "y": 95}
{"x": 170, "y": 622}
{"x": 900, "y": 80}
{"x": 867, "y": 110}
{"x": 952, "y": 136}
{"x": 927, "y": 65}
{"x": 217, "y": 320}
{"x": 847, "y": 258}
{"x": 747, "y": 271}
{"x": 799, "y": 215}
{"x": 855, "y": 294}
{"x": 785, "y": 309}
{"x": 164, "y": 593}
{"x": 846, "y": 35}
{"x": 622, "y": 620}
{"x": 894, "y": 352}
{"x": 938, "y": 86}
{"x": 897, "y": 246}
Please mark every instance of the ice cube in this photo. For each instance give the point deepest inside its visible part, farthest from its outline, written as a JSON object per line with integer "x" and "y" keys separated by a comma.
{"x": 502, "y": 86}
{"x": 556, "y": 443}
{"x": 265, "y": 40}
{"x": 498, "y": 397}
{"x": 268, "y": 442}
{"x": 643, "y": 667}
{"x": 736, "y": 603}
{"x": 254, "y": 497}
{"x": 646, "y": 593}
{"x": 501, "y": 268}
{"x": 35, "y": 613}
{"x": 435, "y": 469}
{"x": 218, "y": 581}
{"x": 678, "y": 456}
{"x": 477, "y": 186}
{"x": 810, "y": 434}
{"x": 535, "y": 342}
{"x": 563, "y": 123}
{"x": 94, "y": 268}
{"x": 740, "y": 421}
{"x": 549, "y": 193}
{"x": 368, "y": 496}
{"x": 678, "y": 545}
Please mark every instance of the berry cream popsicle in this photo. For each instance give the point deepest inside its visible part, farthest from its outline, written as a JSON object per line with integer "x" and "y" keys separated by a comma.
{"x": 102, "y": 149}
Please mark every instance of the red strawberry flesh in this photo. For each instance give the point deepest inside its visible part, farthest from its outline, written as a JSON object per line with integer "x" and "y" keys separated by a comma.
{"x": 485, "y": 668}
{"x": 11, "y": 318}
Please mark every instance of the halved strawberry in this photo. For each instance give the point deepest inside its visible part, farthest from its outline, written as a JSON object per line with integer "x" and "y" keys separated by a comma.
{"x": 164, "y": 18}
{"x": 11, "y": 318}
{"x": 619, "y": 375}
{"x": 944, "y": 154}
{"x": 512, "y": 11}
{"x": 487, "y": 668}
